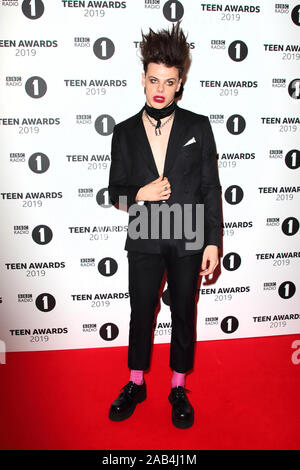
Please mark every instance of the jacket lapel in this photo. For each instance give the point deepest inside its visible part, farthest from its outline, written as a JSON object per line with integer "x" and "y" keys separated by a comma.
{"x": 140, "y": 139}
{"x": 176, "y": 139}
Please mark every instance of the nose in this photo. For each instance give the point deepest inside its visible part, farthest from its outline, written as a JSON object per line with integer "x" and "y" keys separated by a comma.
{"x": 160, "y": 87}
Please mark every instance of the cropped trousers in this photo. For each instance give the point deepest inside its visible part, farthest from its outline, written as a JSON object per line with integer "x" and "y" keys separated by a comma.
{"x": 146, "y": 272}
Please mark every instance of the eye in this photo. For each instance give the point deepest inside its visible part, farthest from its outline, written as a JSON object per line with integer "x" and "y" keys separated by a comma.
{"x": 170, "y": 83}
{"x": 153, "y": 80}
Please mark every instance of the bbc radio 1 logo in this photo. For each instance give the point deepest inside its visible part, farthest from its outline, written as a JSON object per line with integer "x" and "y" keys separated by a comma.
{"x": 237, "y": 50}
{"x": 104, "y": 124}
{"x": 291, "y": 159}
{"x": 102, "y": 196}
{"x": 103, "y": 47}
{"x": 107, "y": 332}
{"x": 286, "y": 290}
{"x": 38, "y": 162}
{"x": 289, "y": 226}
{"x": 33, "y": 9}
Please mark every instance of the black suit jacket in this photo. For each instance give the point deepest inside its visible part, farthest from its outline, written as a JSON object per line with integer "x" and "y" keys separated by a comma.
{"x": 191, "y": 170}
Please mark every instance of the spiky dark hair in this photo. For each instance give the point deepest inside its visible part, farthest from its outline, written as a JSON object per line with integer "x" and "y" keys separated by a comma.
{"x": 165, "y": 47}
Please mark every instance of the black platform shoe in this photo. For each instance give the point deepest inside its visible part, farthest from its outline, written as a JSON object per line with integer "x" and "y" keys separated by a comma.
{"x": 125, "y": 404}
{"x": 182, "y": 410}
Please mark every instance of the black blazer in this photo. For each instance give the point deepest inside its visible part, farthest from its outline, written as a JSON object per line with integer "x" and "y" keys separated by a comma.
{"x": 191, "y": 170}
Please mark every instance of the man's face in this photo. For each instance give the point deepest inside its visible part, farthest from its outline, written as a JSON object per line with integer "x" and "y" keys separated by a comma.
{"x": 161, "y": 84}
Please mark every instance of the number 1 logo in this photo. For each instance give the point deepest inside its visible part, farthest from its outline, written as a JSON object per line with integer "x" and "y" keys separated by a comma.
{"x": 173, "y": 10}
{"x": 238, "y": 51}
{"x": 42, "y": 234}
{"x": 232, "y": 261}
{"x": 287, "y": 289}
{"x": 290, "y": 226}
{"x": 33, "y": 9}
{"x": 45, "y": 302}
{"x": 36, "y": 87}
{"x": 38, "y": 162}
{"x": 107, "y": 266}
{"x": 109, "y": 331}
{"x": 105, "y": 124}
{"x": 236, "y": 124}
{"x": 104, "y": 48}
{"x": 234, "y": 194}
{"x": 292, "y": 159}
{"x": 229, "y": 324}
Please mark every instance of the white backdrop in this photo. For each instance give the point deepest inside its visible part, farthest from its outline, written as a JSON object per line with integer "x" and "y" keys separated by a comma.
{"x": 70, "y": 70}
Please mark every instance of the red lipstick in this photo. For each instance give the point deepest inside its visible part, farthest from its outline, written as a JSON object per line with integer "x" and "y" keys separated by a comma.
{"x": 158, "y": 99}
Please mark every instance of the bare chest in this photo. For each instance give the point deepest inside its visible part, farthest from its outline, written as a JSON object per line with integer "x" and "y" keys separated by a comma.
{"x": 158, "y": 144}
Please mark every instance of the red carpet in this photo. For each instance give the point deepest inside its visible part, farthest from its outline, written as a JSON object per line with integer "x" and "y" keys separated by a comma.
{"x": 245, "y": 393}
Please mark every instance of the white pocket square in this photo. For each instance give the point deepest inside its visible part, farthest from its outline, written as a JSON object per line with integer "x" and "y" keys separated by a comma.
{"x": 191, "y": 141}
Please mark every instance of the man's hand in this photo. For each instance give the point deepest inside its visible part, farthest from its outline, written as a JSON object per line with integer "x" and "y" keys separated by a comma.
{"x": 210, "y": 260}
{"x": 155, "y": 191}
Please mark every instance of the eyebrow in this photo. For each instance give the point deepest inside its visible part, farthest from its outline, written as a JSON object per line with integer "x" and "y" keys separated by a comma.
{"x": 167, "y": 79}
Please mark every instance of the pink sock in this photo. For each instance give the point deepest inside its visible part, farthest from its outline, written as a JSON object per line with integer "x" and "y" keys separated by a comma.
{"x": 137, "y": 376}
{"x": 178, "y": 380}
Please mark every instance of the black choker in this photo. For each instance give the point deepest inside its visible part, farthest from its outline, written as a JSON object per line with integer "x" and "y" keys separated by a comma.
{"x": 159, "y": 114}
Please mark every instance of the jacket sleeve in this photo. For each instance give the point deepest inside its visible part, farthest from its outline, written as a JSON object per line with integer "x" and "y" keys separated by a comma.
{"x": 118, "y": 184}
{"x": 210, "y": 188}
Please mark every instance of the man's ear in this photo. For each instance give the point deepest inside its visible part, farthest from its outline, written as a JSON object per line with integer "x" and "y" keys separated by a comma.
{"x": 143, "y": 79}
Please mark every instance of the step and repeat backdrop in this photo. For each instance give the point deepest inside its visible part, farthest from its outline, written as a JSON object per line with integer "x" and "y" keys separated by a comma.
{"x": 71, "y": 70}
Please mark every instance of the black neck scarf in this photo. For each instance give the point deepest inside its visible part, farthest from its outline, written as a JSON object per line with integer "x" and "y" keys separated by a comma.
{"x": 159, "y": 114}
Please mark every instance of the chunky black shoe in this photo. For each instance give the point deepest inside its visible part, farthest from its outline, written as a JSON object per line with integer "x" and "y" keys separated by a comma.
{"x": 182, "y": 410}
{"x": 125, "y": 404}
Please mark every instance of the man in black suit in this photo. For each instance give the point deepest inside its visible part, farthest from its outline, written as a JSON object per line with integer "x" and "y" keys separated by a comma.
{"x": 163, "y": 166}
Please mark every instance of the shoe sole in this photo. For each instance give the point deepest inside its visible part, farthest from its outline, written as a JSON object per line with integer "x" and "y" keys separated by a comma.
{"x": 129, "y": 412}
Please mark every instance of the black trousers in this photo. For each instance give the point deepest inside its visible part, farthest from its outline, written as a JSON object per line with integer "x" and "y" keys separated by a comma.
{"x": 146, "y": 272}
